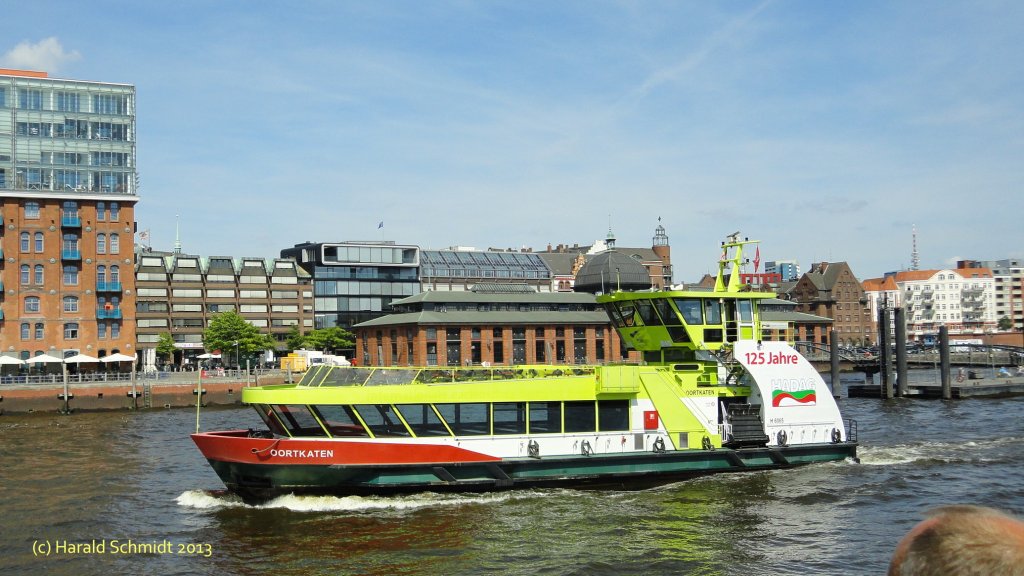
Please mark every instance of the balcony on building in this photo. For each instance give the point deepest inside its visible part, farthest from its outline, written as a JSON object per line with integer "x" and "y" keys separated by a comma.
{"x": 112, "y": 314}
{"x": 108, "y": 286}
{"x": 71, "y": 254}
{"x": 70, "y": 220}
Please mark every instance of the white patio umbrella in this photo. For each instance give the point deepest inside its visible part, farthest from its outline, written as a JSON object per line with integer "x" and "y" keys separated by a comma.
{"x": 207, "y": 356}
{"x": 10, "y": 360}
{"x": 118, "y": 357}
{"x": 80, "y": 359}
{"x": 42, "y": 359}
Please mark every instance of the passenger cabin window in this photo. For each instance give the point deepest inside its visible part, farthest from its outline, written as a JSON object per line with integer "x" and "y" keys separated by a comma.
{"x": 382, "y": 420}
{"x": 667, "y": 313}
{"x": 340, "y": 420}
{"x": 467, "y": 419}
{"x": 299, "y": 420}
{"x": 746, "y": 309}
{"x": 627, "y": 313}
{"x": 612, "y": 415}
{"x": 423, "y": 420}
{"x": 545, "y": 417}
{"x": 690, "y": 308}
{"x": 580, "y": 417}
{"x": 510, "y": 417}
{"x": 270, "y": 419}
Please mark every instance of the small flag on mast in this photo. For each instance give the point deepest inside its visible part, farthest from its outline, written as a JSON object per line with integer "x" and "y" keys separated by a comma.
{"x": 757, "y": 259}
{"x": 381, "y": 225}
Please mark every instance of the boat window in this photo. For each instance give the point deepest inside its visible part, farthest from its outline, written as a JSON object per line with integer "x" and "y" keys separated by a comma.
{"x": 627, "y": 314}
{"x": 690, "y": 308}
{"x": 580, "y": 417}
{"x": 509, "y": 417}
{"x": 545, "y": 417}
{"x": 467, "y": 419}
{"x": 299, "y": 420}
{"x": 647, "y": 313}
{"x": 423, "y": 420}
{"x": 712, "y": 311}
{"x": 382, "y": 420}
{"x": 273, "y": 423}
{"x": 613, "y": 314}
{"x": 678, "y": 355}
{"x": 612, "y": 415}
{"x": 678, "y": 334}
{"x": 746, "y": 310}
{"x": 340, "y": 420}
{"x": 667, "y": 313}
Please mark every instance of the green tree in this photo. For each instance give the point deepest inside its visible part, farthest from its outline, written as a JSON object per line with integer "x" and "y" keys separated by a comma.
{"x": 228, "y": 329}
{"x": 330, "y": 339}
{"x": 295, "y": 339}
{"x": 1005, "y": 323}
{"x": 165, "y": 346}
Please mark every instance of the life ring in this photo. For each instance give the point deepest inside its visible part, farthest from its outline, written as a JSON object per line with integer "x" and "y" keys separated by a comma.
{"x": 659, "y": 444}
{"x": 706, "y": 444}
{"x": 837, "y": 437}
{"x": 533, "y": 449}
{"x": 585, "y": 448}
{"x": 781, "y": 437}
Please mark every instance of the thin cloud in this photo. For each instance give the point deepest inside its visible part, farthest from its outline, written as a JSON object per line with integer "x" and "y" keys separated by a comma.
{"x": 46, "y": 55}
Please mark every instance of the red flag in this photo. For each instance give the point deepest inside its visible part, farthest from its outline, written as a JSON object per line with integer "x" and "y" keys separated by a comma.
{"x": 757, "y": 259}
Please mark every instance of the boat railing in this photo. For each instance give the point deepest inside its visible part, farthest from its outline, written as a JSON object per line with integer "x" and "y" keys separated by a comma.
{"x": 378, "y": 376}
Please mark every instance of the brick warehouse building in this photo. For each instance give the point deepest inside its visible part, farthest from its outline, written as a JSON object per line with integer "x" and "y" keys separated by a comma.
{"x": 493, "y": 325}
{"x": 67, "y": 197}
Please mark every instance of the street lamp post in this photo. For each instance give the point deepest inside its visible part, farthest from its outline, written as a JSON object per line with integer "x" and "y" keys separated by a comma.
{"x": 236, "y": 355}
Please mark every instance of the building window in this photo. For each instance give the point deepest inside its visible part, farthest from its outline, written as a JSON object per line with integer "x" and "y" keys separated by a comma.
{"x": 25, "y": 331}
{"x": 101, "y": 274}
{"x": 39, "y": 242}
{"x": 71, "y": 276}
{"x": 30, "y": 99}
{"x": 115, "y": 330}
{"x": 26, "y": 242}
{"x": 32, "y": 210}
{"x": 101, "y": 243}
{"x": 70, "y": 304}
{"x": 39, "y": 274}
{"x": 71, "y": 331}
{"x": 39, "y": 330}
{"x": 101, "y": 330}
{"x": 32, "y": 305}
{"x": 101, "y": 211}
{"x": 24, "y": 273}
{"x": 114, "y": 211}
{"x": 115, "y": 243}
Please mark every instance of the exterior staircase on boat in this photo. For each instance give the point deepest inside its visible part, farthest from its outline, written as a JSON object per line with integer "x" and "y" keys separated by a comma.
{"x": 747, "y": 428}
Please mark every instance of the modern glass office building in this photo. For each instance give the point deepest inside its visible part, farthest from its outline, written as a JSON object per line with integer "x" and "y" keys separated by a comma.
{"x": 356, "y": 281}
{"x": 67, "y": 197}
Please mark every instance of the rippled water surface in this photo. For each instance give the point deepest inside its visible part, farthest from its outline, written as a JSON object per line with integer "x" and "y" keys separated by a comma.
{"x": 138, "y": 477}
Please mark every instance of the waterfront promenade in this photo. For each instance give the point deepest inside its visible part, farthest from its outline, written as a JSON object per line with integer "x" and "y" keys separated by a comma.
{"x": 120, "y": 391}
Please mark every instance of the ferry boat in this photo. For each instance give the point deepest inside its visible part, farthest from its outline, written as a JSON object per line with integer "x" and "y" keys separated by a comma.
{"x": 709, "y": 396}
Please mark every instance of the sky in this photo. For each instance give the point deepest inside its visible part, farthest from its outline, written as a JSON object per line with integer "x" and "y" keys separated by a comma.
{"x": 826, "y": 130}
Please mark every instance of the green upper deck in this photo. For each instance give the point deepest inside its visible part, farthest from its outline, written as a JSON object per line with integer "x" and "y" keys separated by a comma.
{"x": 672, "y": 325}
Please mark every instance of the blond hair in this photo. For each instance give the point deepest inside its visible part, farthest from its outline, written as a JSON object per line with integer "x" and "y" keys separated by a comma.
{"x": 962, "y": 540}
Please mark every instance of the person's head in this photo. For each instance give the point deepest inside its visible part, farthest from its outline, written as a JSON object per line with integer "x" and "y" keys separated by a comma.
{"x": 961, "y": 540}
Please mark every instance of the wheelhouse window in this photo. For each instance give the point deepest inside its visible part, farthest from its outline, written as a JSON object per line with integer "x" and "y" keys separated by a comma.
{"x": 690, "y": 309}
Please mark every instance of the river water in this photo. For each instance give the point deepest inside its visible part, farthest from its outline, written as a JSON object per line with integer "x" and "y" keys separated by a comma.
{"x": 124, "y": 479}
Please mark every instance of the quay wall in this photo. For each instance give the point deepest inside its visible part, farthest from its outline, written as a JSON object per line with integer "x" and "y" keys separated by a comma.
{"x": 114, "y": 396}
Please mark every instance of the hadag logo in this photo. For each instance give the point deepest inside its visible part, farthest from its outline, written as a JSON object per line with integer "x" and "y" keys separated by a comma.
{"x": 785, "y": 398}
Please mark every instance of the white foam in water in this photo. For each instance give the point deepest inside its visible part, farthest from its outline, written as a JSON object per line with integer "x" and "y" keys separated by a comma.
{"x": 935, "y": 451}
{"x": 203, "y": 500}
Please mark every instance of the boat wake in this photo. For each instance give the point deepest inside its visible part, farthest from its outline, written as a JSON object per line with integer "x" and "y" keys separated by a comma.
{"x": 217, "y": 499}
{"x": 966, "y": 452}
